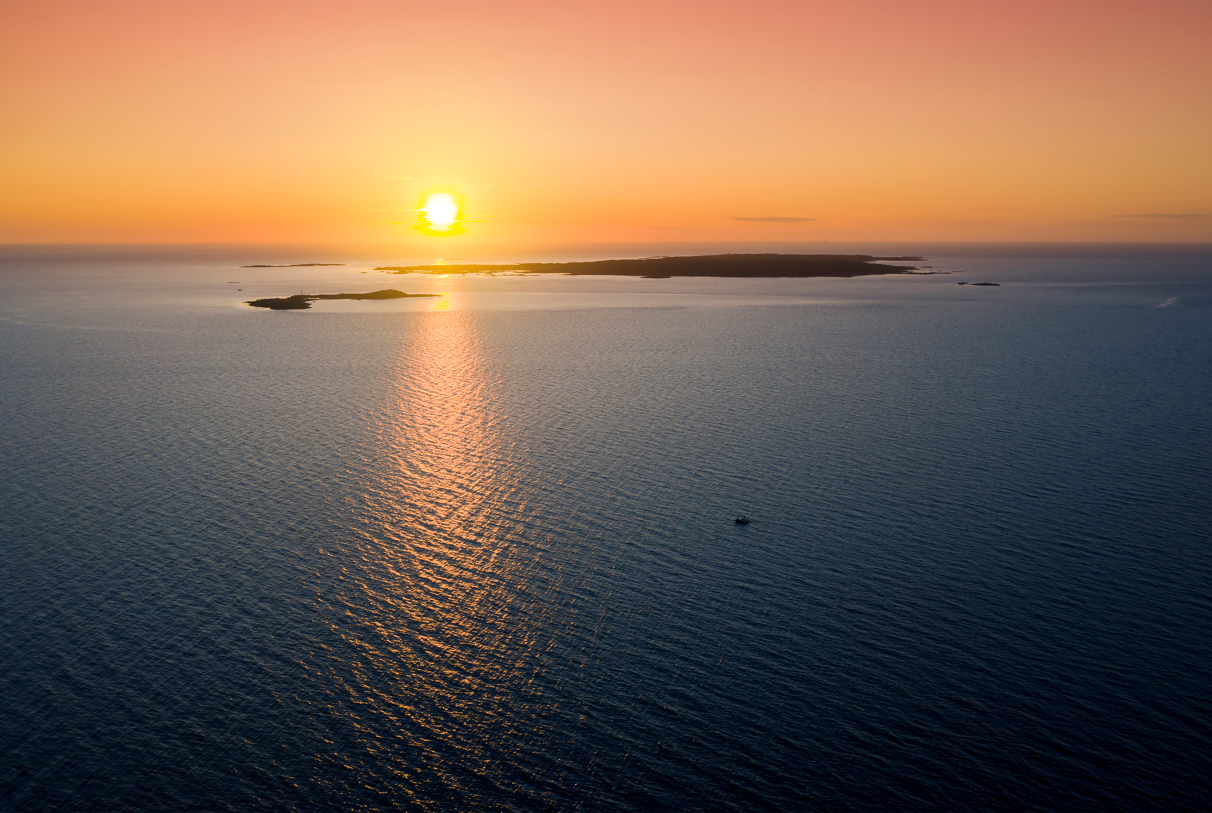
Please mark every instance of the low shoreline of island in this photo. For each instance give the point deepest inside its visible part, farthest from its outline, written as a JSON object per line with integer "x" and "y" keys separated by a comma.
{"x": 711, "y": 265}
{"x": 301, "y": 302}
{"x": 736, "y": 266}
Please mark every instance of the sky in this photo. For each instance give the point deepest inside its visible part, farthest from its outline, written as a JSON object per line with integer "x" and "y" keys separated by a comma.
{"x": 653, "y": 120}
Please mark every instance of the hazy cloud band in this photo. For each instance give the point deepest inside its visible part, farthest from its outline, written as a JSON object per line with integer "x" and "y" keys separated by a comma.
{"x": 774, "y": 219}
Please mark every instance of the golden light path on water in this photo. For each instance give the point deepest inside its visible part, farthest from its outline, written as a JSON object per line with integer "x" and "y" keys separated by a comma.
{"x": 454, "y": 618}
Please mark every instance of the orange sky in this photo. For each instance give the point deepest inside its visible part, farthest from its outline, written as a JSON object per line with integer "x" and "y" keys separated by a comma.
{"x": 165, "y": 121}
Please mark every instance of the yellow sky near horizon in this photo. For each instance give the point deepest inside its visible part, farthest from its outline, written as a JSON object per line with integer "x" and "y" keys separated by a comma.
{"x": 137, "y": 121}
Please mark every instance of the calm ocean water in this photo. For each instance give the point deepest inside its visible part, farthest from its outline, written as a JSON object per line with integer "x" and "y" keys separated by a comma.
{"x": 476, "y": 552}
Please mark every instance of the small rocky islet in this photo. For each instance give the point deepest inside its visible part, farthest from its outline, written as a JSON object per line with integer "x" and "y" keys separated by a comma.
{"x": 300, "y": 302}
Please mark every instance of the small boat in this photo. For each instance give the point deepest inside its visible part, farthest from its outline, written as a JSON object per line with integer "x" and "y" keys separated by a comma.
{"x": 742, "y": 520}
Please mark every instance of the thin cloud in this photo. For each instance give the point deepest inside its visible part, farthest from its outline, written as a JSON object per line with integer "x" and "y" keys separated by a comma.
{"x": 1171, "y": 216}
{"x": 774, "y": 219}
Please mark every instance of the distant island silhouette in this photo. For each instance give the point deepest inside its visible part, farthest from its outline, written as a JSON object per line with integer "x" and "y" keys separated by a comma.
{"x": 292, "y": 265}
{"x": 710, "y": 265}
{"x": 300, "y": 302}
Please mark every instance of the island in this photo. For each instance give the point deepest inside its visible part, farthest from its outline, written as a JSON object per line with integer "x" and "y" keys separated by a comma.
{"x": 293, "y": 265}
{"x": 710, "y": 265}
{"x": 300, "y": 302}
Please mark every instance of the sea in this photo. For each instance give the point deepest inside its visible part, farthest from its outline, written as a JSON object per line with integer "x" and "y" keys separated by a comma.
{"x": 477, "y": 551}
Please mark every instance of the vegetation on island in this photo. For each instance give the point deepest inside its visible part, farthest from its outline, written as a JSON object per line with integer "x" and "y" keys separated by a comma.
{"x": 300, "y": 302}
{"x": 711, "y": 265}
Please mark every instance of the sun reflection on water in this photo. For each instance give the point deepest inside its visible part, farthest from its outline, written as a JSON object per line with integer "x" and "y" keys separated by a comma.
{"x": 454, "y": 619}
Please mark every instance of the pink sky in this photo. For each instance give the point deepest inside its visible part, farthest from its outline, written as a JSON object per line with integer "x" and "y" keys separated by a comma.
{"x": 324, "y": 121}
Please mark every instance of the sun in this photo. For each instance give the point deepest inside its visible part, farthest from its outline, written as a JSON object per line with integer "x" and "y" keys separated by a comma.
{"x": 440, "y": 214}
{"x": 442, "y": 210}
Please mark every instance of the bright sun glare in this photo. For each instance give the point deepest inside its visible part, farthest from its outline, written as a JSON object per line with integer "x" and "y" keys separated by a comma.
{"x": 441, "y": 210}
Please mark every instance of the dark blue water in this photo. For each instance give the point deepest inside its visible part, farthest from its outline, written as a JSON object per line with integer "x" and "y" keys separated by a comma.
{"x": 477, "y": 552}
